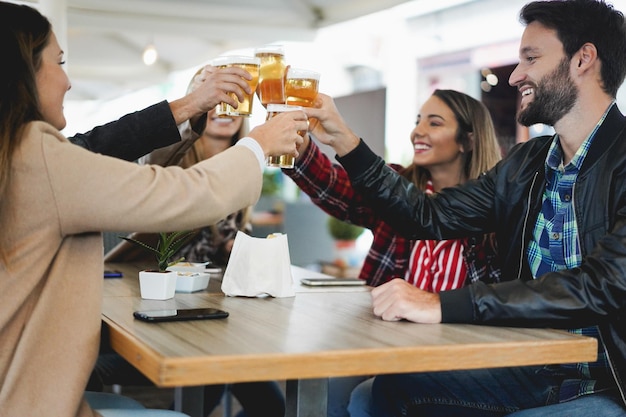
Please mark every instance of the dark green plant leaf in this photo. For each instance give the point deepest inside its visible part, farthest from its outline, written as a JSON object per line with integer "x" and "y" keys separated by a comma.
{"x": 166, "y": 247}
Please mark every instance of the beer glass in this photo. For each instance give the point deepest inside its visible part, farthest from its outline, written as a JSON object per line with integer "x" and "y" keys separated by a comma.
{"x": 250, "y": 64}
{"x": 281, "y": 161}
{"x": 301, "y": 87}
{"x": 271, "y": 87}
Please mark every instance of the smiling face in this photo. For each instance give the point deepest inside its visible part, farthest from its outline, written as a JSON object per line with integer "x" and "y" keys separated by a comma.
{"x": 221, "y": 127}
{"x": 543, "y": 77}
{"x": 434, "y": 138}
{"x": 52, "y": 84}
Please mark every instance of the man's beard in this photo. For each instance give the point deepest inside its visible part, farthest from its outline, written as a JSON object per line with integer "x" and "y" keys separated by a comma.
{"x": 554, "y": 97}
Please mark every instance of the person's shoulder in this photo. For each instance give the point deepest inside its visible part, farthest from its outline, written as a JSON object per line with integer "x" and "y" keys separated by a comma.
{"x": 532, "y": 145}
{"x": 42, "y": 129}
{"x": 525, "y": 156}
{"x": 41, "y": 138}
{"x": 40, "y": 141}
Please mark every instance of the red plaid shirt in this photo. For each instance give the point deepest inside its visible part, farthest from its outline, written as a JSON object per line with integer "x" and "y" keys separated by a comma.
{"x": 328, "y": 186}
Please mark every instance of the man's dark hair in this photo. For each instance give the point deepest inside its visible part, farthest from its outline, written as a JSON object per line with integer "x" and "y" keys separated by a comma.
{"x": 580, "y": 21}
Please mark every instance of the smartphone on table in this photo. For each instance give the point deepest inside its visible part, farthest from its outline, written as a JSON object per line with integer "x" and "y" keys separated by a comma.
{"x": 180, "y": 314}
{"x": 323, "y": 282}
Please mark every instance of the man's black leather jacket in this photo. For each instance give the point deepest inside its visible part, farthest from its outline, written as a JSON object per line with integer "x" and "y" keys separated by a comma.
{"x": 506, "y": 200}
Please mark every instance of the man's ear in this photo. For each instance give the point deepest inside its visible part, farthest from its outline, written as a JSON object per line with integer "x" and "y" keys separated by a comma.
{"x": 586, "y": 56}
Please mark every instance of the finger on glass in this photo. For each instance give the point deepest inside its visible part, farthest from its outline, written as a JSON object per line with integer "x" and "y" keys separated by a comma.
{"x": 250, "y": 64}
{"x": 281, "y": 161}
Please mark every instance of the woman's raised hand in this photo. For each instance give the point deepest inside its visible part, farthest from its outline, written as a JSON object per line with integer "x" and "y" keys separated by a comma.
{"x": 327, "y": 125}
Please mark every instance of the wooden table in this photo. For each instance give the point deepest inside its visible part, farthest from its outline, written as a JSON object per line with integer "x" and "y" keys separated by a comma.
{"x": 306, "y": 339}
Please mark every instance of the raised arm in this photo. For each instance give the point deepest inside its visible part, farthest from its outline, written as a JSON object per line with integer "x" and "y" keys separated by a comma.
{"x": 133, "y": 135}
{"x": 453, "y": 213}
{"x": 138, "y": 133}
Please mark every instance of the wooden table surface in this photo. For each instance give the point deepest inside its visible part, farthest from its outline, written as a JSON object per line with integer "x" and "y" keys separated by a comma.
{"x": 312, "y": 336}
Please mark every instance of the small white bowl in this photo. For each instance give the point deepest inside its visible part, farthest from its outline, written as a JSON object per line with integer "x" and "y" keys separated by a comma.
{"x": 188, "y": 267}
{"x": 191, "y": 281}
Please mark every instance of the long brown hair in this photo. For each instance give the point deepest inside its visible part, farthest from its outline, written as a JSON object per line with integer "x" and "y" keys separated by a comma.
{"x": 482, "y": 150}
{"x": 24, "y": 33}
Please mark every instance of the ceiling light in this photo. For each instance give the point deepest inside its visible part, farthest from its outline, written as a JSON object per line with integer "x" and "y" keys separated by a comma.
{"x": 150, "y": 55}
{"x": 492, "y": 79}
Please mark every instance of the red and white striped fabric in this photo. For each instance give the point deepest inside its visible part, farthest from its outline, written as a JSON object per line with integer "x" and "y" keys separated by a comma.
{"x": 436, "y": 265}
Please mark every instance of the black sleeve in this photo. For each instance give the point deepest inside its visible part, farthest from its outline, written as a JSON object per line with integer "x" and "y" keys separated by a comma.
{"x": 457, "y": 306}
{"x": 133, "y": 135}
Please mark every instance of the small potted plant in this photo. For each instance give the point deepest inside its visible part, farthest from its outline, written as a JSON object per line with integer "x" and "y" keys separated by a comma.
{"x": 160, "y": 283}
{"x": 345, "y": 235}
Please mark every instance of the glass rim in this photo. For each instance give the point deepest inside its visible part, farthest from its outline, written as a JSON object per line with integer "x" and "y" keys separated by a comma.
{"x": 235, "y": 59}
{"x": 299, "y": 73}
{"x": 270, "y": 49}
{"x": 275, "y": 107}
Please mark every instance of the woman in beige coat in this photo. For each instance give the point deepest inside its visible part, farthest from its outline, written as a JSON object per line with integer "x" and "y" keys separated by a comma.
{"x": 55, "y": 200}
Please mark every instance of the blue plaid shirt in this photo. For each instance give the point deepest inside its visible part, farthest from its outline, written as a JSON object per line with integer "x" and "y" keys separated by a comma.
{"x": 555, "y": 246}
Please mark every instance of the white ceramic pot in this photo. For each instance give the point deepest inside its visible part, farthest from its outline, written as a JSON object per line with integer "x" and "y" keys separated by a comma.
{"x": 156, "y": 285}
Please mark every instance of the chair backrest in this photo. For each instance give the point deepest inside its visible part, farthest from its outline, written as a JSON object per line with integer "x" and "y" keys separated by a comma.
{"x": 111, "y": 239}
{"x": 124, "y": 251}
{"x": 307, "y": 233}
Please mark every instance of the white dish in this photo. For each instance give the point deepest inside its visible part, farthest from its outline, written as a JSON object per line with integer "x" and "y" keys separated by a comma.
{"x": 188, "y": 267}
{"x": 191, "y": 281}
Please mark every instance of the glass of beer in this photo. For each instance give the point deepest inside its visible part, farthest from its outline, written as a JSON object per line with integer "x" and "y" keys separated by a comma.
{"x": 248, "y": 63}
{"x": 301, "y": 87}
{"x": 271, "y": 87}
{"x": 281, "y": 161}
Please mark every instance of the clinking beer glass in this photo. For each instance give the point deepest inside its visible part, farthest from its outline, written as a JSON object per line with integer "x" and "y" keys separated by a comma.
{"x": 271, "y": 87}
{"x": 301, "y": 86}
{"x": 281, "y": 161}
{"x": 248, "y": 63}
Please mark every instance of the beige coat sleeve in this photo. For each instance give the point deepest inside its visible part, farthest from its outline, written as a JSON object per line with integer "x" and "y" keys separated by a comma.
{"x": 99, "y": 193}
